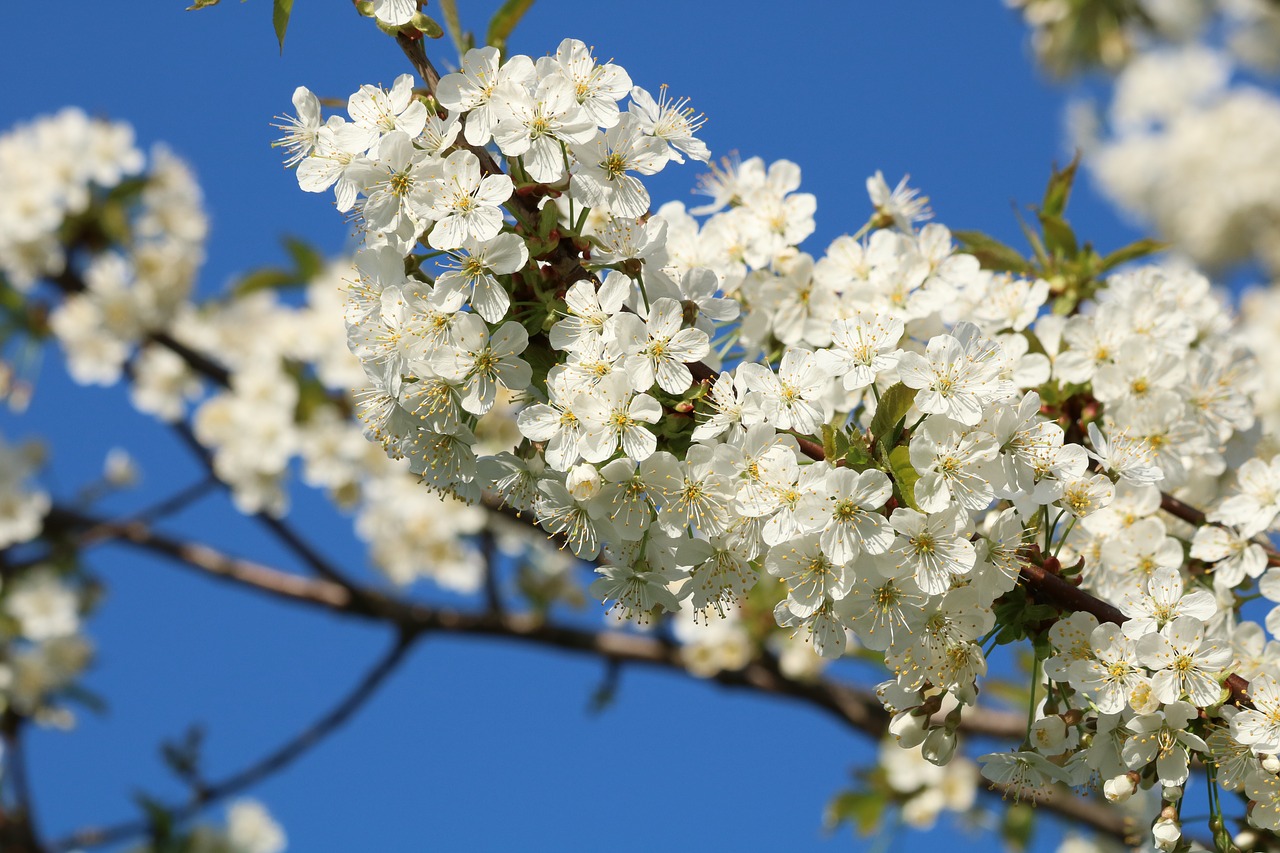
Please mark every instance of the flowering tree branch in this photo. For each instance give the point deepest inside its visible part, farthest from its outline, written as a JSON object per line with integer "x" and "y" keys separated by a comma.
{"x": 857, "y": 708}
{"x": 901, "y": 435}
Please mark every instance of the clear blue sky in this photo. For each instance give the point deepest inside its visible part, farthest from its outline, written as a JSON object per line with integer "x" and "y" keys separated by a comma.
{"x": 477, "y": 745}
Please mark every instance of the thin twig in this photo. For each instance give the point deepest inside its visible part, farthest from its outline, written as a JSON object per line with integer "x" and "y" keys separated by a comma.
{"x": 177, "y": 501}
{"x": 282, "y": 531}
{"x": 274, "y": 761}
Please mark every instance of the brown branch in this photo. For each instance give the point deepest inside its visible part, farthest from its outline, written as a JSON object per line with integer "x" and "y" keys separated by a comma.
{"x": 856, "y": 707}
{"x": 1195, "y": 517}
{"x": 18, "y": 827}
{"x": 70, "y": 283}
{"x": 334, "y": 591}
{"x": 274, "y": 761}
{"x": 178, "y": 501}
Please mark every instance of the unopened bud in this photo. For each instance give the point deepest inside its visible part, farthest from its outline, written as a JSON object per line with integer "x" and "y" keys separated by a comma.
{"x": 1119, "y": 789}
{"x": 426, "y": 25}
{"x": 1166, "y": 833}
{"x": 119, "y": 469}
{"x": 1171, "y": 793}
{"x": 939, "y": 746}
{"x": 910, "y": 729}
{"x": 1271, "y": 763}
{"x": 583, "y": 481}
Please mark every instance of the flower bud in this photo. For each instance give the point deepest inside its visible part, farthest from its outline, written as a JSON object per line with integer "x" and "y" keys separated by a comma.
{"x": 583, "y": 481}
{"x": 1171, "y": 793}
{"x": 1120, "y": 788}
{"x": 1166, "y": 833}
{"x": 119, "y": 469}
{"x": 1271, "y": 763}
{"x": 909, "y": 729}
{"x": 426, "y": 25}
{"x": 939, "y": 746}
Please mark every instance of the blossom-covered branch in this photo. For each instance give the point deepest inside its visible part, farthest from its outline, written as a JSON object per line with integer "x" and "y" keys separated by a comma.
{"x": 857, "y": 708}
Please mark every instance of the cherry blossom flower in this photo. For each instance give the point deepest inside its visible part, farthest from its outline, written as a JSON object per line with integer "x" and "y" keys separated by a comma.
{"x": 503, "y": 255}
{"x": 1163, "y": 602}
{"x": 604, "y": 161}
{"x": 1183, "y": 662}
{"x": 482, "y": 363}
{"x": 464, "y": 206}
{"x": 931, "y": 547}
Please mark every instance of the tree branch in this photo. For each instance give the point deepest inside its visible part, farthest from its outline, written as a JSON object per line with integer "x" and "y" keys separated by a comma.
{"x": 18, "y": 827}
{"x": 272, "y": 762}
{"x": 856, "y": 707}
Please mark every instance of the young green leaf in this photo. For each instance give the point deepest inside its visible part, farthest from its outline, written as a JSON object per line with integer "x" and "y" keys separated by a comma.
{"x": 863, "y": 809}
{"x": 268, "y": 278}
{"x": 453, "y": 24}
{"x": 306, "y": 259}
{"x": 1131, "y": 252}
{"x": 894, "y": 405}
{"x": 990, "y": 252}
{"x": 1058, "y": 193}
{"x": 904, "y": 474}
{"x": 1059, "y": 239}
{"x": 504, "y": 22}
{"x": 834, "y": 441}
{"x": 280, "y": 13}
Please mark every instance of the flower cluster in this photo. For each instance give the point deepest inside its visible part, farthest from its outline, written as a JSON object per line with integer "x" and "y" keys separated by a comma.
{"x": 123, "y": 245}
{"x": 886, "y": 437}
{"x": 1178, "y": 112}
{"x": 69, "y": 171}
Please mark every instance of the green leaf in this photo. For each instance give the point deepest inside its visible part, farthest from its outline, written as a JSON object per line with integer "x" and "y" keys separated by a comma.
{"x": 159, "y": 818}
{"x": 427, "y": 25}
{"x": 606, "y": 692}
{"x": 454, "y": 24}
{"x": 834, "y": 441}
{"x": 863, "y": 809}
{"x": 893, "y": 407}
{"x": 1058, "y": 193}
{"x": 183, "y": 756}
{"x": 504, "y": 22}
{"x": 202, "y": 4}
{"x": 1058, "y": 236}
{"x": 280, "y": 13}
{"x": 1042, "y": 257}
{"x": 990, "y": 252}
{"x": 905, "y": 474}
{"x": 858, "y": 456}
{"x": 1131, "y": 252}
{"x": 548, "y": 219}
{"x": 85, "y": 697}
{"x": 269, "y": 278}
{"x": 306, "y": 259}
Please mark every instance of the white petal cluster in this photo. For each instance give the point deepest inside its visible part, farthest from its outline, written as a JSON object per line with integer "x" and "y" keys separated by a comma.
{"x": 1194, "y": 153}
{"x": 49, "y": 169}
{"x": 681, "y": 376}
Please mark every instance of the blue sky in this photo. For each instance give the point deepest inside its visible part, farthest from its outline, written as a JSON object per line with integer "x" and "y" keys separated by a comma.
{"x": 475, "y": 744}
